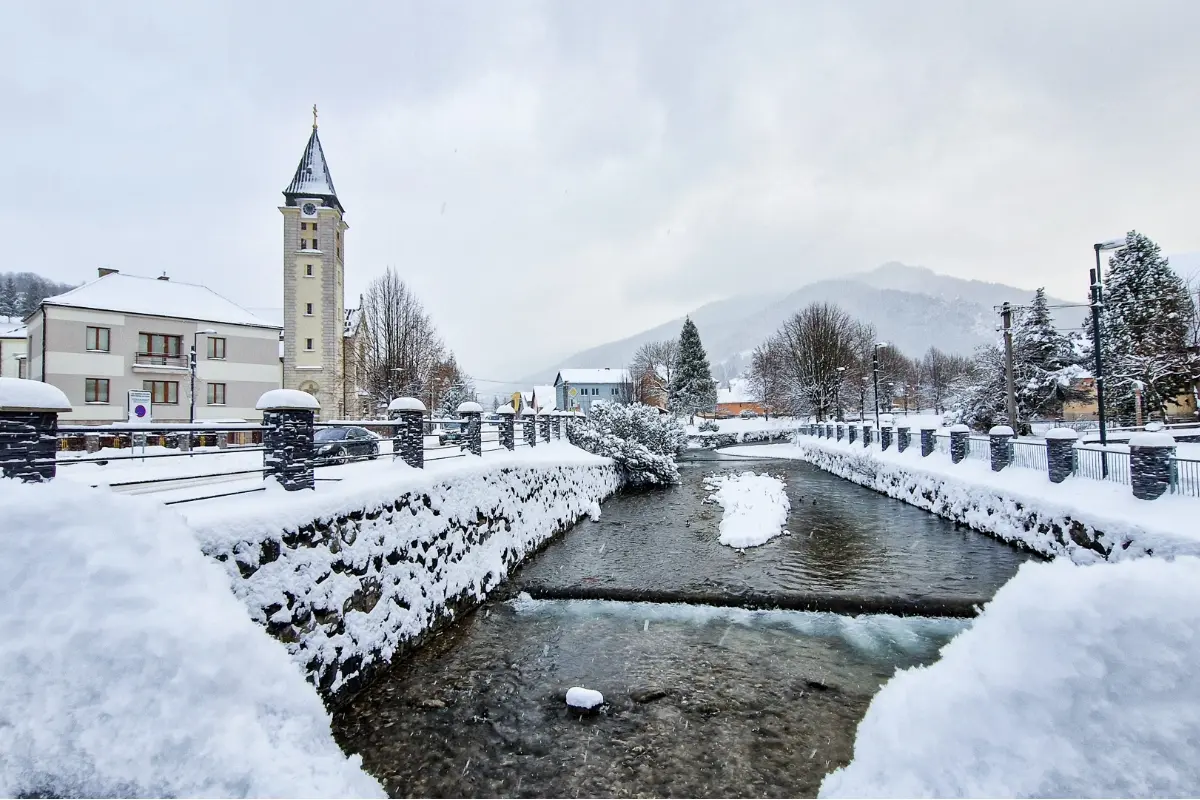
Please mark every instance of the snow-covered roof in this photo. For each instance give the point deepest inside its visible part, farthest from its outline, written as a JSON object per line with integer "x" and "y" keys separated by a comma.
{"x": 131, "y": 294}
{"x": 19, "y": 394}
{"x": 353, "y": 320}
{"x": 312, "y": 178}
{"x": 738, "y": 392}
{"x": 603, "y": 375}
{"x": 12, "y": 328}
{"x": 270, "y": 315}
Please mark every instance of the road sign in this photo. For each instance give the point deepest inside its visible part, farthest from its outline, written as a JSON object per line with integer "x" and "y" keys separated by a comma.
{"x": 141, "y": 406}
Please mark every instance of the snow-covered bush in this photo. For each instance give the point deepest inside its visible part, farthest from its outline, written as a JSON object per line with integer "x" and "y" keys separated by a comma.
{"x": 640, "y": 439}
{"x": 709, "y": 426}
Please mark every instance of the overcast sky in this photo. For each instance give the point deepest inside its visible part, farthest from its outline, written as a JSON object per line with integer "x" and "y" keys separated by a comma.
{"x": 551, "y": 176}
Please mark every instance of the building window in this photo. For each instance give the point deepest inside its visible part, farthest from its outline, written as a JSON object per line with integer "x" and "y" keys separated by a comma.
{"x": 97, "y": 339}
{"x": 615, "y": 391}
{"x": 308, "y": 270}
{"x": 308, "y": 344}
{"x": 308, "y": 309}
{"x": 160, "y": 350}
{"x": 216, "y": 348}
{"x": 303, "y": 226}
{"x": 216, "y": 394}
{"x": 314, "y": 226}
{"x": 304, "y": 244}
{"x": 596, "y": 390}
{"x": 162, "y": 392}
{"x": 95, "y": 390}
{"x": 315, "y": 245}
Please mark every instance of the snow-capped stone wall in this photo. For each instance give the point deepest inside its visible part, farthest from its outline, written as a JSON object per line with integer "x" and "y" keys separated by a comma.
{"x": 349, "y": 590}
{"x": 1048, "y": 522}
{"x": 711, "y": 441}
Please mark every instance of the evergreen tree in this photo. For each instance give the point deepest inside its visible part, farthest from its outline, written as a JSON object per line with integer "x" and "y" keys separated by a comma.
{"x": 1044, "y": 364}
{"x": 692, "y": 388}
{"x": 8, "y": 297}
{"x": 1144, "y": 330}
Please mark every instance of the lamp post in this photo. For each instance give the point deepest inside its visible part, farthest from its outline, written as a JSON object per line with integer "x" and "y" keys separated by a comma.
{"x": 192, "y": 369}
{"x": 1097, "y": 304}
{"x": 875, "y": 374}
{"x": 862, "y": 400}
{"x": 837, "y": 396}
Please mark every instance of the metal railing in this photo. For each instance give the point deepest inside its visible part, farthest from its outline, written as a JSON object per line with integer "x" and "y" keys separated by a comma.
{"x": 160, "y": 360}
{"x": 1031, "y": 455}
{"x": 979, "y": 447}
{"x": 1185, "y": 476}
{"x": 1102, "y": 464}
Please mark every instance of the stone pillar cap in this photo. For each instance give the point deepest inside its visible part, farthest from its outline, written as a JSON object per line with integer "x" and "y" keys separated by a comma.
{"x": 959, "y": 428}
{"x": 287, "y": 400}
{"x": 1152, "y": 439}
{"x": 21, "y": 394}
{"x": 1062, "y": 433}
{"x": 506, "y": 410}
{"x": 1000, "y": 430}
{"x": 406, "y": 404}
{"x": 470, "y": 407}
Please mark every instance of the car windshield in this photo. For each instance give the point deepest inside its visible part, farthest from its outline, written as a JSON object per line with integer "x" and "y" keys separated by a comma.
{"x": 330, "y": 434}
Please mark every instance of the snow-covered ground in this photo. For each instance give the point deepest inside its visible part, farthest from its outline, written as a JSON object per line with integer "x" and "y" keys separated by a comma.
{"x": 128, "y": 668}
{"x": 1074, "y": 682}
{"x": 1165, "y": 526}
{"x": 755, "y": 507}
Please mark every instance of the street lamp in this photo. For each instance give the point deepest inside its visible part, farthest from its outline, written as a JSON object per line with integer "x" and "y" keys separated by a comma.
{"x": 1097, "y": 302}
{"x": 837, "y": 396}
{"x": 875, "y": 373}
{"x": 192, "y": 369}
{"x": 862, "y": 400}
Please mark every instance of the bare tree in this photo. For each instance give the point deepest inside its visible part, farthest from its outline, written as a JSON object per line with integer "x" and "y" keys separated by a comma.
{"x": 652, "y": 367}
{"x": 402, "y": 346}
{"x": 768, "y": 375}
{"x": 819, "y": 344}
{"x": 942, "y": 372}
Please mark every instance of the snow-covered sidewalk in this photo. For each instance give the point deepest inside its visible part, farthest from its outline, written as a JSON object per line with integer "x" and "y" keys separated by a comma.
{"x": 755, "y": 507}
{"x": 1015, "y": 504}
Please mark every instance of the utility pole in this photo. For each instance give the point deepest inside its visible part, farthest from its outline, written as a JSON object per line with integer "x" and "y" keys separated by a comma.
{"x": 1099, "y": 365}
{"x": 1009, "y": 380}
{"x": 875, "y": 374}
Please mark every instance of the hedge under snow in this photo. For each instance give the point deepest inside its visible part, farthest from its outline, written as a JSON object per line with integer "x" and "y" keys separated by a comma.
{"x": 128, "y": 668}
{"x": 640, "y": 439}
{"x": 1076, "y": 681}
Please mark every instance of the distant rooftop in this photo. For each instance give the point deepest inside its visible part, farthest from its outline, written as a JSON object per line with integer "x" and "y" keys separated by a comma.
{"x": 602, "y": 375}
{"x": 156, "y": 297}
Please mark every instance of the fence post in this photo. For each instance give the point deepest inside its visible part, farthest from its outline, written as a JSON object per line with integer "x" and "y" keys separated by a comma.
{"x": 1150, "y": 455}
{"x": 288, "y": 437}
{"x": 408, "y": 437}
{"x": 885, "y": 437}
{"x": 866, "y": 435}
{"x": 543, "y": 422}
{"x": 472, "y": 414}
{"x": 558, "y": 423}
{"x": 527, "y": 427}
{"x": 29, "y": 428}
{"x": 508, "y": 428}
{"x": 183, "y": 441}
{"x": 852, "y": 433}
{"x": 1000, "y": 446}
{"x": 1060, "y": 453}
{"x": 927, "y": 441}
{"x": 840, "y": 430}
{"x": 960, "y": 442}
{"x": 223, "y": 440}
{"x": 903, "y": 438}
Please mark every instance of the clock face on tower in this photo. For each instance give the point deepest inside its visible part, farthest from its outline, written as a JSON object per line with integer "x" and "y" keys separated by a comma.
{"x": 309, "y": 209}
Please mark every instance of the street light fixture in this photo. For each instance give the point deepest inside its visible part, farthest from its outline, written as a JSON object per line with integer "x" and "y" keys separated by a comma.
{"x": 875, "y": 373}
{"x": 192, "y": 369}
{"x": 1097, "y": 303}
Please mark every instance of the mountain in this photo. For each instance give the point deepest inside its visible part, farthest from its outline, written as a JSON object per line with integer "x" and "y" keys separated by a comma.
{"x": 913, "y": 308}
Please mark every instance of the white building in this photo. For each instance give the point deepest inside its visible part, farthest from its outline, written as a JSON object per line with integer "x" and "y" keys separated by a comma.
{"x": 120, "y": 332}
{"x": 14, "y": 348}
{"x": 577, "y": 389}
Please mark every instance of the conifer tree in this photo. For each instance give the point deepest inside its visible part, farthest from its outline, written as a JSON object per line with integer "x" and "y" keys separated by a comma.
{"x": 8, "y": 297}
{"x": 1144, "y": 331}
{"x": 692, "y": 389}
{"x": 1044, "y": 364}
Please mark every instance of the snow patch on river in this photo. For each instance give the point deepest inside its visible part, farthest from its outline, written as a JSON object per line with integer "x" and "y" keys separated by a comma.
{"x": 756, "y": 507}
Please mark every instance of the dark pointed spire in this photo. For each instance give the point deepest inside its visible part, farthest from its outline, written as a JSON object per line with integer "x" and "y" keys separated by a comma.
{"x": 312, "y": 177}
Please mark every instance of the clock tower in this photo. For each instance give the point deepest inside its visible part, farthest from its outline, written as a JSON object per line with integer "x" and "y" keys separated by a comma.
{"x": 314, "y": 240}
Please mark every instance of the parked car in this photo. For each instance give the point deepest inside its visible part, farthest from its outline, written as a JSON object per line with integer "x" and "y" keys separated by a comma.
{"x": 748, "y": 414}
{"x": 449, "y": 433}
{"x": 342, "y": 444}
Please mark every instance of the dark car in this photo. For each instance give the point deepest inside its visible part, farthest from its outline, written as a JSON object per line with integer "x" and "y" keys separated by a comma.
{"x": 339, "y": 445}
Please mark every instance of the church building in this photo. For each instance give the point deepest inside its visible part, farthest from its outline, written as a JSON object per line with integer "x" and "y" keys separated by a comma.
{"x": 320, "y": 334}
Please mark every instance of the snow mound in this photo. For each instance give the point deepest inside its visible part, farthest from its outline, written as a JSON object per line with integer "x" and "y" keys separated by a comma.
{"x": 406, "y": 404}
{"x": 594, "y": 511}
{"x": 587, "y": 699}
{"x": 287, "y": 399}
{"x": 19, "y": 394}
{"x": 1074, "y": 682}
{"x": 756, "y": 507}
{"x": 129, "y": 668}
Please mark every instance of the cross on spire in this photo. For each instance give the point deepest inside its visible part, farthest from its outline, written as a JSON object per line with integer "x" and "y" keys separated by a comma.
{"x": 314, "y": 116}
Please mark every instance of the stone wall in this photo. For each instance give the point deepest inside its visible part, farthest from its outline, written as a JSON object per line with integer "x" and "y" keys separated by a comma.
{"x": 713, "y": 441}
{"x": 350, "y": 591}
{"x": 1029, "y": 524}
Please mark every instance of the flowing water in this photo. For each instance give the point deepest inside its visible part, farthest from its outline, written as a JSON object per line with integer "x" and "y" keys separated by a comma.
{"x": 700, "y": 700}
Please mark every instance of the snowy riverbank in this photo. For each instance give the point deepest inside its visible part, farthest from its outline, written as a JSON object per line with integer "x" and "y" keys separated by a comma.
{"x": 1084, "y": 519}
{"x": 755, "y": 507}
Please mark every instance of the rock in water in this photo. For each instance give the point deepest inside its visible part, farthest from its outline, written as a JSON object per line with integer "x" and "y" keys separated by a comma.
{"x": 582, "y": 699}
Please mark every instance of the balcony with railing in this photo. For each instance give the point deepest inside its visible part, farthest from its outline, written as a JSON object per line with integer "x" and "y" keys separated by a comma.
{"x": 161, "y": 361}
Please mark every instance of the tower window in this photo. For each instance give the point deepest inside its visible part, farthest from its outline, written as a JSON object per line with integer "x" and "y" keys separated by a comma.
{"x": 308, "y": 309}
{"x": 314, "y": 226}
{"x": 304, "y": 244}
{"x": 303, "y": 226}
{"x": 308, "y": 344}
{"x": 308, "y": 271}
{"x": 315, "y": 245}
